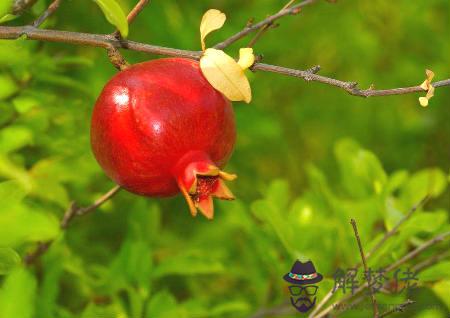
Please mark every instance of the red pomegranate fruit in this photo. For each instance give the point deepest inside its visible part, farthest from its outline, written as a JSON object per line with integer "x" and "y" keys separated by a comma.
{"x": 159, "y": 128}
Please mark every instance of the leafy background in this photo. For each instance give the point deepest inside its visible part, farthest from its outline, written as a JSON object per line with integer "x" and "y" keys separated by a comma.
{"x": 309, "y": 157}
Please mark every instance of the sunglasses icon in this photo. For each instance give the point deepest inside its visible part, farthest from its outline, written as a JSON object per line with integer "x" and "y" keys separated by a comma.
{"x": 310, "y": 290}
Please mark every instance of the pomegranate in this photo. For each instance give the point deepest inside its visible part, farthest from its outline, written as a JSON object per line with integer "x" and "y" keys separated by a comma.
{"x": 159, "y": 128}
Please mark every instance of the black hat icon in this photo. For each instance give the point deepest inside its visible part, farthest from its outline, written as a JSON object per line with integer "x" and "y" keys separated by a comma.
{"x": 303, "y": 274}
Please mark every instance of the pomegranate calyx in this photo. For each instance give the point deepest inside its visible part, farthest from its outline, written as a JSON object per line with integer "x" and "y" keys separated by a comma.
{"x": 200, "y": 182}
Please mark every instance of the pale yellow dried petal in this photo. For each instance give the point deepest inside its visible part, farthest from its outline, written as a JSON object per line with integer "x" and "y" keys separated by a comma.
{"x": 246, "y": 57}
{"x": 212, "y": 20}
{"x": 430, "y": 92}
{"x": 427, "y": 83}
{"x": 424, "y": 85}
{"x": 430, "y": 75}
{"x": 225, "y": 75}
{"x": 423, "y": 101}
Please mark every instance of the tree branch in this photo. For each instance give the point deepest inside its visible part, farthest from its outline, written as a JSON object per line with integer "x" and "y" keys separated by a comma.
{"x": 136, "y": 10}
{"x": 419, "y": 267}
{"x": 316, "y": 313}
{"x": 72, "y": 211}
{"x": 394, "y": 230}
{"x": 266, "y": 27}
{"x": 106, "y": 41}
{"x": 47, "y": 13}
{"x": 366, "y": 270}
{"x": 114, "y": 54}
{"x": 80, "y": 211}
{"x": 418, "y": 250}
{"x": 430, "y": 262}
{"x": 349, "y": 87}
{"x": 269, "y": 20}
{"x": 133, "y": 14}
{"x": 388, "y": 269}
{"x": 377, "y": 246}
{"x": 398, "y": 308}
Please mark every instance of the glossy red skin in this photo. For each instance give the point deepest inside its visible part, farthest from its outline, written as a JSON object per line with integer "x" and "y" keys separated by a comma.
{"x": 151, "y": 115}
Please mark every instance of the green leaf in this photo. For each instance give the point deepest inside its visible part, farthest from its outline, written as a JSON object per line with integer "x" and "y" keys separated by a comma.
{"x": 278, "y": 193}
{"x": 436, "y": 272}
{"x": 145, "y": 221}
{"x": 50, "y": 190}
{"x": 21, "y": 224}
{"x": 5, "y": 7}
{"x": 5, "y": 10}
{"x": 396, "y": 180}
{"x": 14, "y": 137}
{"x": 108, "y": 311}
{"x": 49, "y": 286}
{"x": 273, "y": 210}
{"x": 232, "y": 308}
{"x": 432, "y": 182}
{"x": 11, "y": 192}
{"x": 115, "y": 15}
{"x": 9, "y": 259}
{"x": 23, "y": 104}
{"x": 17, "y": 296}
{"x": 319, "y": 184}
{"x": 428, "y": 222}
{"x": 162, "y": 305}
{"x": 269, "y": 212}
{"x": 190, "y": 263}
{"x": 441, "y": 290}
{"x": 63, "y": 81}
{"x": 15, "y": 53}
{"x": 11, "y": 170}
{"x": 7, "y": 17}
{"x": 7, "y": 86}
{"x": 361, "y": 172}
{"x": 132, "y": 265}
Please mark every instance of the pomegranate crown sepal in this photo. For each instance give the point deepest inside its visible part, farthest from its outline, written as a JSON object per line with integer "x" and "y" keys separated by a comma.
{"x": 199, "y": 180}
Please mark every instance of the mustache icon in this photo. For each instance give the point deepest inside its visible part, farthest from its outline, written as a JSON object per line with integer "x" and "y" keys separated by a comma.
{"x": 303, "y": 300}
{"x": 303, "y": 304}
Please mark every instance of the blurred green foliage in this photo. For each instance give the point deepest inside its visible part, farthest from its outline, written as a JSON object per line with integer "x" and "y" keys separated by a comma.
{"x": 309, "y": 157}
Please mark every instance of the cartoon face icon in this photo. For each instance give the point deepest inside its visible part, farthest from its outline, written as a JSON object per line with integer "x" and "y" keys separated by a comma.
{"x": 302, "y": 279}
{"x": 303, "y": 298}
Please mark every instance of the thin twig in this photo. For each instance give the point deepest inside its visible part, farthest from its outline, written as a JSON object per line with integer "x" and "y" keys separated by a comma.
{"x": 116, "y": 58}
{"x": 419, "y": 267}
{"x": 34, "y": 255}
{"x": 47, "y": 13}
{"x": 72, "y": 211}
{"x": 399, "y": 308}
{"x": 80, "y": 211}
{"x": 352, "y": 305}
{"x": 106, "y": 41}
{"x": 266, "y": 27}
{"x": 114, "y": 54}
{"x": 136, "y": 10}
{"x": 404, "y": 259}
{"x": 366, "y": 270}
{"x": 430, "y": 261}
{"x": 394, "y": 230}
{"x": 322, "y": 303}
{"x": 418, "y": 250}
{"x": 269, "y": 20}
{"x": 377, "y": 246}
{"x": 133, "y": 14}
{"x": 349, "y": 87}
